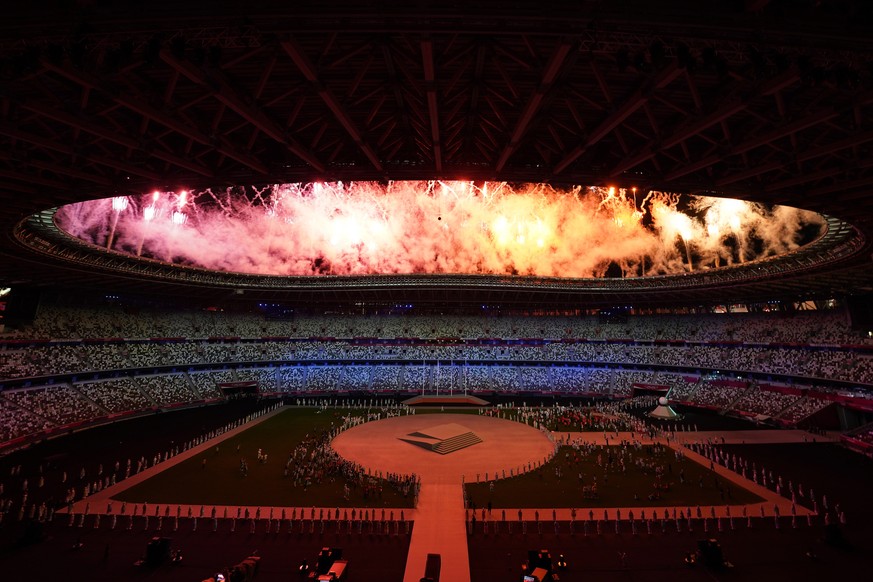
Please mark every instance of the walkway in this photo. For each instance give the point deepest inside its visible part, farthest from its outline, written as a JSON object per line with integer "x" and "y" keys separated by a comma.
{"x": 507, "y": 448}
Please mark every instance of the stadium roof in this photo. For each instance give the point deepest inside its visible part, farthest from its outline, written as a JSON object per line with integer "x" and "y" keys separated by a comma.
{"x": 769, "y": 101}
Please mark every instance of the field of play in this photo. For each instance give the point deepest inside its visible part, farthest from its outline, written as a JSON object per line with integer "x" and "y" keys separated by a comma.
{"x": 593, "y": 477}
{"x": 214, "y": 477}
{"x": 612, "y": 477}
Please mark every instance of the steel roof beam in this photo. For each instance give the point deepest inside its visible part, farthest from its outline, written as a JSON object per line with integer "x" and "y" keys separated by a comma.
{"x": 844, "y": 186}
{"x": 803, "y": 179}
{"x": 851, "y": 141}
{"x": 58, "y": 146}
{"x": 113, "y": 135}
{"x": 816, "y": 118}
{"x": 432, "y": 106}
{"x": 551, "y": 72}
{"x": 308, "y": 69}
{"x": 810, "y": 154}
{"x": 728, "y": 109}
{"x": 73, "y": 173}
{"x": 750, "y": 173}
{"x": 225, "y": 94}
{"x": 686, "y": 169}
{"x": 148, "y": 111}
{"x": 33, "y": 179}
{"x": 639, "y": 98}
{"x": 750, "y": 144}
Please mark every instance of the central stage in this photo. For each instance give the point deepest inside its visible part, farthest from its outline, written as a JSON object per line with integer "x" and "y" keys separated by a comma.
{"x": 383, "y": 446}
{"x": 445, "y": 400}
{"x": 443, "y": 439}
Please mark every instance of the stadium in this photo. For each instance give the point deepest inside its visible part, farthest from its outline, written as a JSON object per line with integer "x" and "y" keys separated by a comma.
{"x": 436, "y": 291}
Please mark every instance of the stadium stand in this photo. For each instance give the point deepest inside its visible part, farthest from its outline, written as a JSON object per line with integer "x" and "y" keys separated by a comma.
{"x": 509, "y": 354}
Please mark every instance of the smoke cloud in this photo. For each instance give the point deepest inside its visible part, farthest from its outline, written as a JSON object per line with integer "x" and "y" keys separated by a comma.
{"x": 363, "y": 228}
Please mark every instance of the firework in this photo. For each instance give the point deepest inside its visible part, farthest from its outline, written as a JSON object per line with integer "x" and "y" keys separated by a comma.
{"x": 437, "y": 227}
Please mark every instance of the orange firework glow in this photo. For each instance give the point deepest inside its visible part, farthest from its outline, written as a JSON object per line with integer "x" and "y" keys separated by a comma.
{"x": 437, "y": 227}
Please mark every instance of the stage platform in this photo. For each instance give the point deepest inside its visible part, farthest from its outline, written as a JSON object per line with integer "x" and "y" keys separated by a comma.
{"x": 443, "y": 439}
{"x": 447, "y": 400}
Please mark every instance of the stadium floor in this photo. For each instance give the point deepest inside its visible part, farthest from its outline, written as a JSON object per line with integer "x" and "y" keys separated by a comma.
{"x": 759, "y": 553}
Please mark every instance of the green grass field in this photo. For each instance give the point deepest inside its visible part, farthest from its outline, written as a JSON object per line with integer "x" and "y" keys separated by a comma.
{"x": 220, "y": 481}
{"x": 630, "y": 488}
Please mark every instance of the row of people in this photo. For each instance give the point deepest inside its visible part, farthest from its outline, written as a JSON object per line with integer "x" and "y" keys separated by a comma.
{"x": 114, "y": 320}
{"x": 33, "y": 410}
{"x": 749, "y": 398}
{"x": 38, "y": 360}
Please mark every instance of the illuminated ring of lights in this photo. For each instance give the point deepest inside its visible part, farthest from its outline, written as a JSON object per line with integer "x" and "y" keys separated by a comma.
{"x": 837, "y": 242}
